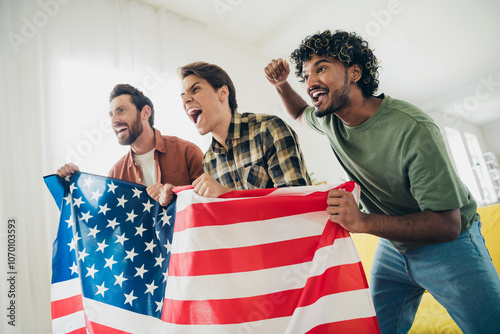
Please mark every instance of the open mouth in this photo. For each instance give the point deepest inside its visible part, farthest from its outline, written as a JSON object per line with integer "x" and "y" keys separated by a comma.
{"x": 120, "y": 131}
{"x": 317, "y": 95}
{"x": 194, "y": 113}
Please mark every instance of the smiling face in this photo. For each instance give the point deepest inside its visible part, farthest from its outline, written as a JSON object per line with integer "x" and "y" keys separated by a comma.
{"x": 327, "y": 84}
{"x": 203, "y": 104}
{"x": 125, "y": 119}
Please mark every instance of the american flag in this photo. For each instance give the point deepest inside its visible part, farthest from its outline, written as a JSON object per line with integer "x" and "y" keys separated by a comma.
{"x": 255, "y": 261}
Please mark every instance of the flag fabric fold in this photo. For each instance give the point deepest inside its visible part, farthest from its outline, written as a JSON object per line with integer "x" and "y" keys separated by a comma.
{"x": 254, "y": 261}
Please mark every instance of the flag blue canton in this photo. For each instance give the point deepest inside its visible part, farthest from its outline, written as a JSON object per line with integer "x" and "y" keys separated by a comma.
{"x": 115, "y": 239}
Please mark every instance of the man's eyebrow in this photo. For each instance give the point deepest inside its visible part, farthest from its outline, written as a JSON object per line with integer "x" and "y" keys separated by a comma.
{"x": 318, "y": 63}
{"x": 190, "y": 88}
{"x": 117, "y": 107}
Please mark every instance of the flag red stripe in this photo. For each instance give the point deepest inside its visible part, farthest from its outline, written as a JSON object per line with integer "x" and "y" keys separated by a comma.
{"x": 250, "y": 209}
{"x": 358, "y": 326}
{"x": 288, "y": 252}
{"x": 221, "y": 261}
{"x": 82, "y": 330}
{"x": 279, "y": 304}
{"x": 66, "y": 306}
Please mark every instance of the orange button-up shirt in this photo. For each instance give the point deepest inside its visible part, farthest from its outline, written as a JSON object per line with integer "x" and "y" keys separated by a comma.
{"x": 178, "y": 162}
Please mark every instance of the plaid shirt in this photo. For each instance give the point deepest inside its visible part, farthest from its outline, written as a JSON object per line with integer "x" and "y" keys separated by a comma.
{"x": 262, "y": 152}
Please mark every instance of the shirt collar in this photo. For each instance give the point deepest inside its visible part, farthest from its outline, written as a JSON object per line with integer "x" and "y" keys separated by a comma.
{"x": 232, "y": 133}
{"x": 159, "y": 146}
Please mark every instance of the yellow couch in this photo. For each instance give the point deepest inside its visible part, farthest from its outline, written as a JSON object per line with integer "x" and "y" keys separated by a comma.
{"x": 431, "y": 316}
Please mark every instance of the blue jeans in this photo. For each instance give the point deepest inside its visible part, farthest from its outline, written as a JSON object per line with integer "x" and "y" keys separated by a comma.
{"x": 459, "y": 274}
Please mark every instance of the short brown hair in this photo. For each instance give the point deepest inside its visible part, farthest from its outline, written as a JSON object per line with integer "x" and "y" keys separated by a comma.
{"x": 214, "y": 75}
{"x": 138, "y": 98}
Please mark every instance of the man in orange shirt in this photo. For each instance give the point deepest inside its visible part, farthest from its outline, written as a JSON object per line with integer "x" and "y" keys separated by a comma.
{"x": 159, "y": 162}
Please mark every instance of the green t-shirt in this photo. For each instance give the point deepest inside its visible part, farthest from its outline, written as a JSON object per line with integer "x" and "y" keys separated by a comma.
{"x": 399, "y": 159}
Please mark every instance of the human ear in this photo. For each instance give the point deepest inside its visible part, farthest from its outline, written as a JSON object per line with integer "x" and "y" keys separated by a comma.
{"x": 355, "y": 73}
{"x": 223, "y": 93}
{"x": 145, "y": 112}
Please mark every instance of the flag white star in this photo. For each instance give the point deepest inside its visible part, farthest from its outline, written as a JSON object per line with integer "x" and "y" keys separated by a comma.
{"x": 168, "y": 246}
{"x": 88, "y": 182}
{"x": 159, "y": 305}
{"x": 77, "y": 237}
{"x": 159, "y": 261}
{"x": 91, "y": 271}
{"x": 101, "y": 289}
{"x": 82, "y": 255}
{"x": 163, "y": 212}
{"x": 140, "y": 230}
{"x": 72, "y": 245}
{"x": 93, "y": 232}
{"x": 112, "y": 223}
{"x": 131, "y": 216}
{"x": 140, "y": 271}
{"x": 131, "y": 255}
{"x": 72, "y": 187}
{"x": 137, "y": 193}
{"x": 70, "y": 222}
{"x": 147, "y": 206}
{"x": 165, "y": 276}
{"x": 67, "y": 178}
{"x": 67, "y": 199}
{"x": 78, "y": 202}
{"x": 95, "y": 195}
{"x": 121, "y": 201}
{"x": 112, "y": 187}
{"x": 110, "y": 262}
{"x": 101, "y": 247}
{"x": 151, "y": 288}
{"x": 119, "y": 279}
{"x": 150, "y": 246}
{"x": 86, "y": 216}
{"x": 129, "y": 298}
{"x": 121, "y": 238}
{"x": 103, "y": 209}
{"x": 157, "y": 234}
{"x": 166, "y": 220}
{"x": 74, "y": 269}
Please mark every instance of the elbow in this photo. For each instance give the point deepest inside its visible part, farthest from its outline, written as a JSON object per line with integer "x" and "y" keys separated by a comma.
{"x": 453, "y": 223}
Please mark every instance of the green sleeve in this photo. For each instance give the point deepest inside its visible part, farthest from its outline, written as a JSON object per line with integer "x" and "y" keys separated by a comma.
{"x": 433, "y": 181}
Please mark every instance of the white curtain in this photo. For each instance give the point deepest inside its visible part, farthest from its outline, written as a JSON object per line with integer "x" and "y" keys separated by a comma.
{"x": 59, "y": 60}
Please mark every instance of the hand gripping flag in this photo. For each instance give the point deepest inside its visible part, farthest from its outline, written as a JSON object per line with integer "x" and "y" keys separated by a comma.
{"x": 255, "y": 261}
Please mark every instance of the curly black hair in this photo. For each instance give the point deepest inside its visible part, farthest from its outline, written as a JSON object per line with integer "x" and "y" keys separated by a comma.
{"x": 346, "y": 47}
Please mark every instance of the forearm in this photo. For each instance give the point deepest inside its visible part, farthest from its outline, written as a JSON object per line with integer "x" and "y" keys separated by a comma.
{"x": 419, "y": 228}
{"x": 293, "y": 102}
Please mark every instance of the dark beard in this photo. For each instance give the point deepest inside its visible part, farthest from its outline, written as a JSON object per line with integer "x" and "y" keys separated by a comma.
{"x": 135, "y": 130}
{"x": 340, "y": 98}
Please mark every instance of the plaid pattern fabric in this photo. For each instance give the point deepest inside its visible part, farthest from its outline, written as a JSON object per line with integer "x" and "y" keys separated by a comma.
{"x": 262, "y": 152}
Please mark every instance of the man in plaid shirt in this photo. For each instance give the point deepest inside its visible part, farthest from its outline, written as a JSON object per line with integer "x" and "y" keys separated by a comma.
{"x": 248, "y": 151}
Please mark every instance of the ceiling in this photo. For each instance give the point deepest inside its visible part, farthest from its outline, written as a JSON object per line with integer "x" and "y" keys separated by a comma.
{"x": 437, "y": 54}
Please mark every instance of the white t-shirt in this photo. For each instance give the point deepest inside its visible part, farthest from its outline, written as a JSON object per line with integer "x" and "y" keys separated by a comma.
{"x": 148, "y": 165}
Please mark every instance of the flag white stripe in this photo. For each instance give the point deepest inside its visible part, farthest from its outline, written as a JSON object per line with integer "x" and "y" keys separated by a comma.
{"x": 189, "y": 197}
{"x": 250, "y": 233}
{"x": 68, "y": 323}
{"x": 66, "y": 289}
{"x": 119, "y": 318}
{"x": 254, "y": 283}
{"x": 332, "y": 308}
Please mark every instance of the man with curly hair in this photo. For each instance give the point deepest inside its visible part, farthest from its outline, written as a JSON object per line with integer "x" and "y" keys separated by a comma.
{"x": 426, "y": 219}
{"x": 248, "y": 151}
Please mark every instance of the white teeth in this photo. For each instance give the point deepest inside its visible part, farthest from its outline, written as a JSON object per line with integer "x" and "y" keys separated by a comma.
{"x": 316, "y": 93}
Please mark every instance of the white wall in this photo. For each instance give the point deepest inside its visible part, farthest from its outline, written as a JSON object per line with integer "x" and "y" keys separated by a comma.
{"x": 491, "y": 133}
